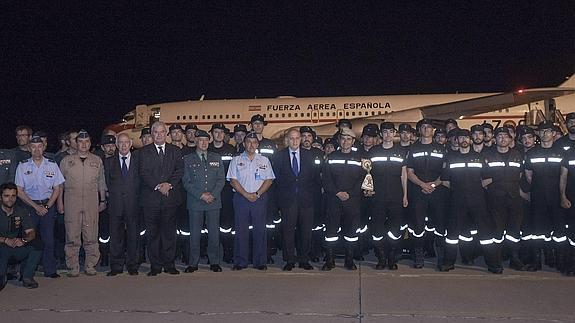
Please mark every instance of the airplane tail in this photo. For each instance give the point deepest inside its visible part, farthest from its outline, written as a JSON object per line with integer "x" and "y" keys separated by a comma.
{"x": 570, "y": 82}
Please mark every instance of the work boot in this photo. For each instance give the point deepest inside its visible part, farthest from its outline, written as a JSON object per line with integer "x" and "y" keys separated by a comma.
{"x": 381, "y": 261}
{"x": 439, "y": 245}
{"x": 570, "y": 263}
{"x": 349, "y": 264}
{"x": 418, "y": 259}
{"x": 516, "y": 263}
{"x": 329, "y": 260}
{"x": 391, "y": 262}
{"x": 560, "y": 258}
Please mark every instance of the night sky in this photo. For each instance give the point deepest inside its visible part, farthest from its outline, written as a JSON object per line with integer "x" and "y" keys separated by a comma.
{"x": 85, "y": 65}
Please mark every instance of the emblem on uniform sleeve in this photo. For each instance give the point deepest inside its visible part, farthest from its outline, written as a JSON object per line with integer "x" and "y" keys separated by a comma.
{"x": 367, "y": 184}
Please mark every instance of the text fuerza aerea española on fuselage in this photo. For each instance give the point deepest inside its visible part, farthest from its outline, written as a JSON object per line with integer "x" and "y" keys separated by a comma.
{"x": 329, "y": 106}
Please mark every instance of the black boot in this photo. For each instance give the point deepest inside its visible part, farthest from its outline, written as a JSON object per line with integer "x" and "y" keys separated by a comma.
{"x": 439, "y": 245}
{"x": 391, "y": 260}
{"x": 516, "y": 263}
{"x": 535, "y": 264}
{"x": 329, "y": 260}
{"x": 381, "y": 262}
{"x": 560, "y": 258}
{"x": 349, "y": 264}
{"x": 491, "y": 255}
{"x": 418, "y": 258}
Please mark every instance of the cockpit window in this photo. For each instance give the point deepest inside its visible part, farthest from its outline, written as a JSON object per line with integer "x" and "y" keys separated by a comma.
{"x": 128, "y": 116}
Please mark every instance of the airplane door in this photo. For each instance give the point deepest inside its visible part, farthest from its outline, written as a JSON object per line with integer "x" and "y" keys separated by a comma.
{"x": 314, "y": 116}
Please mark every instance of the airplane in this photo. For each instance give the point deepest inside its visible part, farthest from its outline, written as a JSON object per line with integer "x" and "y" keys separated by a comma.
{"x": 527, "y": 106}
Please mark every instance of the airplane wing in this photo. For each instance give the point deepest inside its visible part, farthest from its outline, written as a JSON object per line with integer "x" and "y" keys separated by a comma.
{"x": 490, "y": 103}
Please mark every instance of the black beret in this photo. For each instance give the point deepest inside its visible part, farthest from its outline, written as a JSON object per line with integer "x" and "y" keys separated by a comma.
{"x": 330, "y": 141}
{"x": 176, "y": 126}
{"x": 108, "y": 139}
{"x": 318, "y": 140}
{"x": 422, "y": 122}
{"x": 370, "y": 129}
{"x": 448, "y": 121}
{"x": 452, "y": 133}
{"x": 439, "y": 131}
{"x": 41, "y": 133}
{"x": 251, "y": 134}
{"x": 526, "y": 131}
{"x": 486, "y": 125}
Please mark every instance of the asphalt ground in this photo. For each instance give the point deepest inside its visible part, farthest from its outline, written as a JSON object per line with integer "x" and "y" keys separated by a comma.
{"x": 467, "y": 294}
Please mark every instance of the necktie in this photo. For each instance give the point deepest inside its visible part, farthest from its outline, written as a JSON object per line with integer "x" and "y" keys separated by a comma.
{"x": 161, "y": 153}
{"x": 294, "y": 164}
{"x": 204, "y": 160}
{"x": 124, "y": 166}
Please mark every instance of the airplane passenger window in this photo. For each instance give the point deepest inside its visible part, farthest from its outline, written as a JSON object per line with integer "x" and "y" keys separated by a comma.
{"x": 184, "y": 117}
{"x": 215, "y": 117}
{"x": 347, "y": 113}
{"x": 190, "y": 117}
{"x": 177, "y": 117}
{"x": 277, "y": 115}
{"x": 308, "y": 115}
{"x": 321, "y": 114}
{"x": 353, "y": 114}
{"x": 203, "y": 117}
{"x": 221, "y": 116}
{"x": 227, "y": 116}
{"x": 283, "y": 115}
{"x": 289, "y": 115}
{"x": 196, "y": 117}
{"x": 208, "y": 117}
{"x": 233, "y": 116}
{"x": 340, "y": 113}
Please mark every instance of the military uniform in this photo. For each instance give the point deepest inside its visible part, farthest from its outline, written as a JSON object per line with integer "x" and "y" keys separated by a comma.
{"x": 204, "y": 174}
{"x": 8, "y": 164}
{"x": 468, "y": 207}
{"x": 14, "y": 226}
{"x": 569, "y": 164}
{"x": 84, "y": 180}
{"x": 226, "y": 152}
{"x": 342, "y": 173}
{"x": 505, "y": 203}
{"x": 38, "y": 183}
{"x": 268, "y": 148}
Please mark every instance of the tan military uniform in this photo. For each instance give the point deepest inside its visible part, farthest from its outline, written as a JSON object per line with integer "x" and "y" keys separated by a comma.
{"x": 83, "y": 182}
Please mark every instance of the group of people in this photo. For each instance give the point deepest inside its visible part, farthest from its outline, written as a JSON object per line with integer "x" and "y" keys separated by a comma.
{"x": 503, "y": 193}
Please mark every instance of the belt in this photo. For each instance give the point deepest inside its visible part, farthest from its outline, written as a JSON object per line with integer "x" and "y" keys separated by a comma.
{"x": 41, "y": 202}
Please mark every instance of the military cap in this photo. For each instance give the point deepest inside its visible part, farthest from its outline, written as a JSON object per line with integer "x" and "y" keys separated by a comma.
{"x": 347, "y": 132}
{"x": 318, "y": 140}
{"x": 191, "y": 126}
{"x": 439, "y": 131}
{"x": 526, "y": 131}
{"x": 463, "y": 133}
{"x": 404, "y": 127}
{"x": 145, "y": 131}
{"x": 486, "y": 125}
{"x": 303, "y": 129}
{"x": 251, "y": 134}
{"x": 220, "y": 126}
{"x": 258, "y": 117}
{"x": 510, "y": 127}
{"x": 422, "y": 122}
{"x": 41, "y": 134}
{"x": 477, "y": 127}
{"x": 452, "y": 133}
{"x": 499, "y": 130}
{"x": 176, "y": 126}
{"x": 342, "y": 122}
{"x": 202, "y": 133}
{"x": 226, "y": 130}
{"x": 570, "y": 116}
{"x": 370, "y": 129}
{"x": 36, "y": 138}
{"x": 557, "y": 129}
{"x": 108, "y": 139}
{"x": 453, "y": 121}
{"x": 83, "y": 134}
{"x": 330, "y": 141}
{"x": 389, "y": 126}
{"x": 545, "y": 125}
{"x": 240, "y": 128}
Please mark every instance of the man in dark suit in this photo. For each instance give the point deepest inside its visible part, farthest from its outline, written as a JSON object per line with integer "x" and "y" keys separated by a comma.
{"x": 296, "y": 178}
{"x": 161, "y": 169}
{"x": 123, "y": 181}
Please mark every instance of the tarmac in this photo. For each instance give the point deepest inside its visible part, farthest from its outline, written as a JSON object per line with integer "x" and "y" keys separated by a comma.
{"x": 467, "y": 294}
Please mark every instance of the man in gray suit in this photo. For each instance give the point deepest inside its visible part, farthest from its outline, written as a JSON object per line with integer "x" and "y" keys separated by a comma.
{"x": 204, "y": 179}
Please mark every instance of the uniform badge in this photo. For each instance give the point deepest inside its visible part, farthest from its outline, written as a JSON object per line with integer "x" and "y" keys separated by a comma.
{"x": 49, "y": 173}
{"x": 5, "y": 161}
{"x": 215, "y": 164}
{"x": 263, "y": 167}
{"x": 28, "y": 172}
{"x": 241, "y": 164}
{"x": 17, "y": 222}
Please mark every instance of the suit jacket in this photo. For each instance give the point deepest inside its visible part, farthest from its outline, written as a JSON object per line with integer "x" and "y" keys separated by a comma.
{"x": 153, "y": 172}
{"x": 286, "y": 181}
{"x": 123, "y": 191}
{"x": 199, "y": 179}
